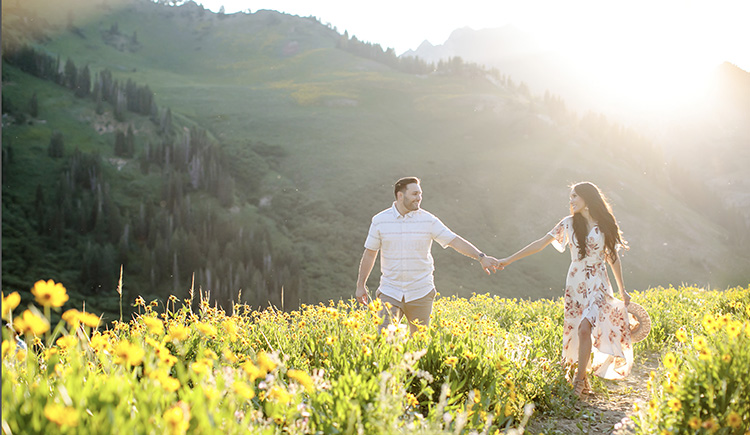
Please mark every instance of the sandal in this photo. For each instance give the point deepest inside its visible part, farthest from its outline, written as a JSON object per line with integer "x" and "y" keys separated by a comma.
{"x": 578, "y": 387}
{"x": 587, "y": 387}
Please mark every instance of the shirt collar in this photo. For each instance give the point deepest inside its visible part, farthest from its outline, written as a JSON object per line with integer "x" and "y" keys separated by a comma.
{"x": 398, "y": 215}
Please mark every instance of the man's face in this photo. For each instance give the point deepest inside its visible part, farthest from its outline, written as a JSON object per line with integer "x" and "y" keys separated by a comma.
{"x": 412, "y": 197}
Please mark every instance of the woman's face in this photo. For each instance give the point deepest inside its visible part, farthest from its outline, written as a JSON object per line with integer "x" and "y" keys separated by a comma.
{"x": 576, "y": 202}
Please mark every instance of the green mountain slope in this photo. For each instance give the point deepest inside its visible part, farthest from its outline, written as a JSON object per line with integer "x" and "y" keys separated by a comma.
{"x": 312, "y": 138}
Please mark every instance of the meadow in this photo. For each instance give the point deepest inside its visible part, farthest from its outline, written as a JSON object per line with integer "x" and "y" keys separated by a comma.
{"x": 485, "y": 365}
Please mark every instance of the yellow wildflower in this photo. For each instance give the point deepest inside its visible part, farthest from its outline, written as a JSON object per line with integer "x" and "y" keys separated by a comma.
{"x": 711, "y": 425}
{"x": 178, "y": 421}
{"x": 669, "y": 387}
{"x": 10, "y": 303}
{"x": 8, "y": 347}
{"x": 674, "y": 404}
{"x": 700, "y": 342}
{"x": 302, "y": 378}
{"x": 695, "y": 423}
{"x": 666, "y": 432}
{"x": 669, "y": 360}
{"x": 734, "y": 420}
{"x": 206, "y": 329}
{"x": 30, "y": 322}
{"x": 230, "y": 327}
{"x": 252, "y": 371}
{"x": 49, "y": 293}
{"x": 165, "y": 356}
{"x": 330, "y": 340}
{"x": 211, "y": 393}
{"x": 72, "y": 316}
{"x": 726, "y": 358}
{"x": 709, "y": 323}
{"x": 734, "y": 328}
{"x": 681, "y": 335}
{"x": 469, "y": 355}
{"x": 66, "y": 341}
{"x": 178, "y": 332}
{"x": 724, "y": 319}
{"x": 704, "y": 354}
{"x": 89, "y": 319}
{"x": 279, "y": 394}
{"x": 210, "y": 354}
{"x": 411, "y": 400}
{"x": 477, "y": 396}
{"x": 202, "y": 366}
{"x": 451, "y": 361}
{"x": 100, "y": 342}
{"x": 169, "y": 383}
{"x": 154, "y": 325}
{"x": 231, "y": 357}
{"x": 243, "y": 390}
{"x": 130, "y": 354}
{"x": 265, "y": 362}
{"x": 61, "y": 415}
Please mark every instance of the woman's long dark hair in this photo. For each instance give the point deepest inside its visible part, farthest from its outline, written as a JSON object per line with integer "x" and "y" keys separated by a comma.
{"x": 601, "y": 212}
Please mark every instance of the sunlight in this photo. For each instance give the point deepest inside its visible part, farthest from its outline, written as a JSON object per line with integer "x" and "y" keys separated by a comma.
{"x": 654, "y": 57}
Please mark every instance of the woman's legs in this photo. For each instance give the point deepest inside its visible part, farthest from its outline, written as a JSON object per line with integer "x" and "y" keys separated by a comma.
{"x": 580, "y": 384}
{"x": 584, "y": 348}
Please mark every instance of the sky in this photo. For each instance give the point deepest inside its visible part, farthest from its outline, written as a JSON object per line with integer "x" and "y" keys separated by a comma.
{"x": 712, "y": 31}
{"x": 645, "y": 51}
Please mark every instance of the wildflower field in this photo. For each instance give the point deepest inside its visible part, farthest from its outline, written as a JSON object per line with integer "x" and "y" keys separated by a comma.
{"x": 485, "y": 365}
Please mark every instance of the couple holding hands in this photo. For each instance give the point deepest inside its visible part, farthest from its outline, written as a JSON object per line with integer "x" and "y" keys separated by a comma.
{"x": 594, "y": 319}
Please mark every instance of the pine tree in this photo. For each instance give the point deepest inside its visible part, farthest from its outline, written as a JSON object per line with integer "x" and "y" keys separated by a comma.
{"x": 56, "y": 145}
{"x": 34, "y": 106}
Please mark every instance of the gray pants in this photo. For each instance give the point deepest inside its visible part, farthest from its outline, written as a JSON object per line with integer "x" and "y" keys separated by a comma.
{"x": 417, "y": 312}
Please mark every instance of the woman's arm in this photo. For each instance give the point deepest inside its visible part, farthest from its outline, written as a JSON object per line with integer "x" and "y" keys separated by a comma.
{"x": 616, "y": 266}
{"x": 531, "y": 248}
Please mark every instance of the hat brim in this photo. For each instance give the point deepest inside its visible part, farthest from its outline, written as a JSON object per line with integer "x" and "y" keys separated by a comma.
{"x": 642, "y": 326}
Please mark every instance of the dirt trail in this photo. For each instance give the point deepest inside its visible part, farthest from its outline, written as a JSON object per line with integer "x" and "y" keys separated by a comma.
{"x": 606, "y": 412}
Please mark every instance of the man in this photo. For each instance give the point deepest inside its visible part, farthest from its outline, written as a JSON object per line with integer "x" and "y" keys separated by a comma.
{"x": 404, "y": 233}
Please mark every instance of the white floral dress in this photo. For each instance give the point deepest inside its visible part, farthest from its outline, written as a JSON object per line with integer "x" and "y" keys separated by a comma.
{"x": 588, "y": 295}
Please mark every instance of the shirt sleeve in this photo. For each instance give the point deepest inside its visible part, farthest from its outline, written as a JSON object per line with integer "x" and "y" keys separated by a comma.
{"x": 373, "y": 240}
{"x": 561, "y": 234}
{"x": 441, "y": 233}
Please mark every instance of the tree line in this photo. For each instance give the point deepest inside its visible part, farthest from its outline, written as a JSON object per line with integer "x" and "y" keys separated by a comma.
{"x": 178, "y": 233}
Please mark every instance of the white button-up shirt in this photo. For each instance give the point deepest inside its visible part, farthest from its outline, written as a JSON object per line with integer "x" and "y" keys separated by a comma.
{"x": 405, "y": 244}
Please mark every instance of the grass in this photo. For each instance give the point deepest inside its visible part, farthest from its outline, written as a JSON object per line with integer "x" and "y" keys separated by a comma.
{"x": 485, "y": 364}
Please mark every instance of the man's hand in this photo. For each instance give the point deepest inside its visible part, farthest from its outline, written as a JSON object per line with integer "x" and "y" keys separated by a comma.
{"x": 361, "y": 295}
{"x": 490, "y": 264}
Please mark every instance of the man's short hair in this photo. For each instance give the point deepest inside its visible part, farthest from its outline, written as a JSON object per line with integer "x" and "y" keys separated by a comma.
{"x": 401, "y": 184}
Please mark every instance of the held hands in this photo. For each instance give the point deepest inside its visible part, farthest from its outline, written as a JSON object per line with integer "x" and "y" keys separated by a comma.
{"x": 490, "y": 264}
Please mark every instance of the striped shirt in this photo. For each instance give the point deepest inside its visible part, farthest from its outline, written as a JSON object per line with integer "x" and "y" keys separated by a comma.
{"x": 405, "y": 242}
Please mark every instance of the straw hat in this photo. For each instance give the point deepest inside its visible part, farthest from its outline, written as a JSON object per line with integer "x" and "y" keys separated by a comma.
{"x": 640, "y": 322}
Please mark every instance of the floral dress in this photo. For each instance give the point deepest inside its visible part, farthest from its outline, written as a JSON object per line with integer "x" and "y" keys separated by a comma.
{"x": 588, "y": 295}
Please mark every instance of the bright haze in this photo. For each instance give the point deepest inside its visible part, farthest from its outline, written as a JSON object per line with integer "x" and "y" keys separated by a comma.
{"x": 643, "y": 54}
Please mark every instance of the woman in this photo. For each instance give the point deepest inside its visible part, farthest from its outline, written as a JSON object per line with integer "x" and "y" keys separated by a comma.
{"x": 592, "y": 313}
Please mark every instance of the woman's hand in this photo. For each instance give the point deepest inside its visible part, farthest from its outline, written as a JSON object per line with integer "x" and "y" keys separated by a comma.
{"x": 625, "y": 296}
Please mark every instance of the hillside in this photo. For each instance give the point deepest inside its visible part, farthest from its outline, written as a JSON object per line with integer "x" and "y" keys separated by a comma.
{"x": 708, "y": 136}
{"x": 311, "y": 137}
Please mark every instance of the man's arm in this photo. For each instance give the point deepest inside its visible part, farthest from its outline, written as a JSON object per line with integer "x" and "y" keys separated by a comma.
{"x": 365, "y": 268}
{"x": 463, "y": 246}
